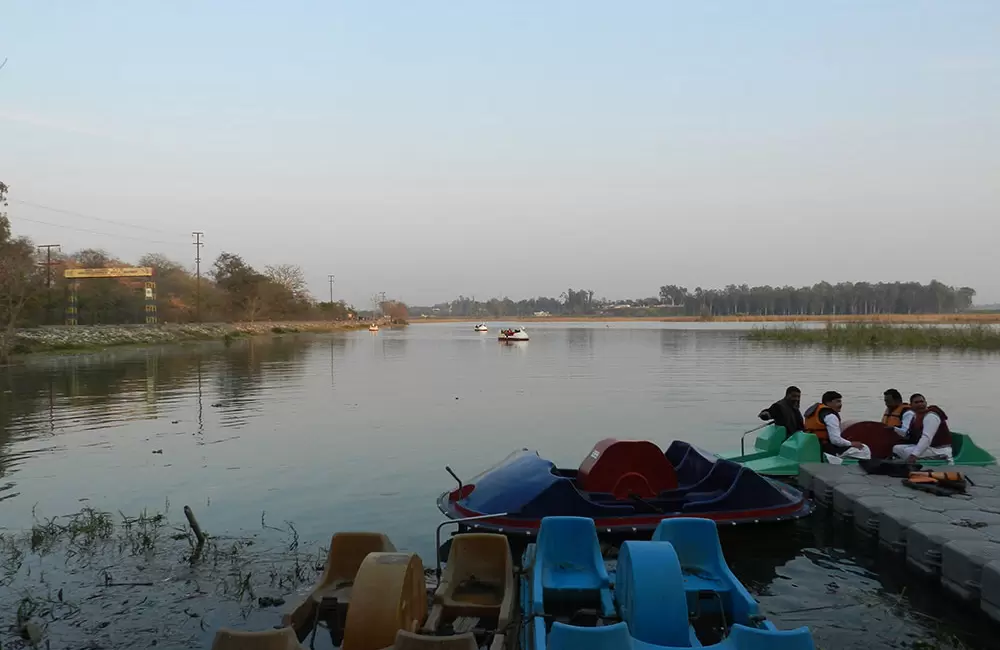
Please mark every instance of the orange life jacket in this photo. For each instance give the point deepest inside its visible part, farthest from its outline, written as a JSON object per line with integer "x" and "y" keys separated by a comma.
{"x": 814, "y": 421}
{"x": 942, "y": 437}
{"x": 894, "y": 418}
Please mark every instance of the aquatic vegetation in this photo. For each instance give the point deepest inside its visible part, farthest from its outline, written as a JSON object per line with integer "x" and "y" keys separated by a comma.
{"x": 878, "y": 335}
{"x": 124, "y": 580}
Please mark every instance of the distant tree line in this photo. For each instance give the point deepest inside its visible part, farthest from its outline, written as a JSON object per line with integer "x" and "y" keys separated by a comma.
{"x": 230, "y": 289}
{"x": 856, "y": 298}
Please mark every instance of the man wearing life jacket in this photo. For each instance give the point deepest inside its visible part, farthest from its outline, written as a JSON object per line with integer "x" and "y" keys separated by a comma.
{"x": 785, "y": 412}
{"x": 898, "y": 413}
{"x": 929, "y": 433}
{"x": 823, "y": 421}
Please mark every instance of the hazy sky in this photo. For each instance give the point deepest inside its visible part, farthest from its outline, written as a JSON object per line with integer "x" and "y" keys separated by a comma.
{"x": 427, "y": 149}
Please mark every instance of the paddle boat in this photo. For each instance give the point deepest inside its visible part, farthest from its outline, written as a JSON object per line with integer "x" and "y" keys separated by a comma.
{"x": 625, "y": 486}
{"x": 775, "y": 454}
{"x": 513, "y": 334}
{"x": 482, "y": 328}
{"x": 675, "y": 591}
{"x": 373, "y": 327}
{"x": 371, "y": 597}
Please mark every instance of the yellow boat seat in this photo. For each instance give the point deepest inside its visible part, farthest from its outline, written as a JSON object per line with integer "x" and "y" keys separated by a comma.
{"x": 283, "y": 639}
{"x": 478, "y": 580}
{"x": 410, "y": 641}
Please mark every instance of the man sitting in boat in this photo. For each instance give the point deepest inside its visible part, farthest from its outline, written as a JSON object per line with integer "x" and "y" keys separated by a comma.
{"x": 928, "y": 433}
{"x": 898, "y": 413}
{"x": 785, "y": 412}
{"x": 823, "y": 421}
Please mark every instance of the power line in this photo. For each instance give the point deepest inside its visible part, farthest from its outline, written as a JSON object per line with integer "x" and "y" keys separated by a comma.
{"x": 89, "y": 216}
{"x": 95, "y": 232}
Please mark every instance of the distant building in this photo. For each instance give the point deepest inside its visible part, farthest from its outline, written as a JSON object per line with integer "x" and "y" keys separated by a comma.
{"x": 542, "y": 314}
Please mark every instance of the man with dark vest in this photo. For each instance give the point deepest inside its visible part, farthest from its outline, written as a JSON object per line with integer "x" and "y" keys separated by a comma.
{"x": 823, "y": 421}
{"x": 928, "y": 435}
{"x": 785, "y": 412}
{"x": 898, "y": 413}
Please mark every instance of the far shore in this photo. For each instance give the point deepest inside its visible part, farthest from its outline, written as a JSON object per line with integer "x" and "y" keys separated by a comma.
{"x": 88, "y": 338}
{"x": 927, "y": 319}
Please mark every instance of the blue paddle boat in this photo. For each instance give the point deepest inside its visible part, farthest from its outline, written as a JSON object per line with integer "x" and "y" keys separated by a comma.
{"x": 625, "y": 486}
{"x": 675, "y": 591}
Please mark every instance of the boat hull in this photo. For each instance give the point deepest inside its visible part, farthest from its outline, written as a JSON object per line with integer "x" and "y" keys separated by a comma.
{"x": 524, "y": 489}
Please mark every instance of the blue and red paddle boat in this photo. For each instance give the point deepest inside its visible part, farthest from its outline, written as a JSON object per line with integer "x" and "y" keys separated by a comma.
{"x": 625, "y": 486}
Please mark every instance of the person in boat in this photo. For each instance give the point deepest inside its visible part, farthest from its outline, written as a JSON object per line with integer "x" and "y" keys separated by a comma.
{"x": 823, "y": 421}
{"x": 898, "y": 413}
{"x": 785, "y": 412}
{"x": 928, "y": 433}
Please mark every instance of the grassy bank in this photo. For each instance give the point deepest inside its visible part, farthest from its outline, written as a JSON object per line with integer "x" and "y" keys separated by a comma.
{"x": 96, "y": 337}
{"x": 879, "y": 335}
{"x": 927, "y": 319}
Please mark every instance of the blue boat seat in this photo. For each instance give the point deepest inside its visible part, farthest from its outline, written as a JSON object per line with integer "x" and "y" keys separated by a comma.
{"x": 618, "y": 637}
{"x": 704, "y": 567}
{"x": 694, "y": 469}
{"x": 751, "y": 638}
{"x": 676, "y": 452}
{"x": 568, "y": 567}
{"x": 571, "y": 637}
{"x": 723, "y": 479}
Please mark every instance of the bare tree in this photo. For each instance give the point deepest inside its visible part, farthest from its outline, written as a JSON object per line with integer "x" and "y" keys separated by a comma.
{"x": 289, "y": 276}
{"x": 20, "y": 280}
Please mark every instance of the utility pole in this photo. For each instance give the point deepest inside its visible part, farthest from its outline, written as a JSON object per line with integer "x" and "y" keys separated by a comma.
{"x": 331, "y": 290}
{"x": 197, "y": 266}
{"x": 48, "y": 277}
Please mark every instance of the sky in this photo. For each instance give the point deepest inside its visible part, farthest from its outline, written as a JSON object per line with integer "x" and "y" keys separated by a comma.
{"x": 431, "y": 149}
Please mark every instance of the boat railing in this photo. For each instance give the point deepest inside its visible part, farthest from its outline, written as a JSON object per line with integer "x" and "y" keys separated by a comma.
{"x": 746, "y": 433}
{"x": 437, "y": 536}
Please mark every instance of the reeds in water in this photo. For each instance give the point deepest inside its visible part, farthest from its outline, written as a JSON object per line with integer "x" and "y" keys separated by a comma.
{"x": 878, "y": 335}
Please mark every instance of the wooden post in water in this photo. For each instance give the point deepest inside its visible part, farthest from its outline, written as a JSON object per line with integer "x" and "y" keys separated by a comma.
{"x": 194, "y": 527}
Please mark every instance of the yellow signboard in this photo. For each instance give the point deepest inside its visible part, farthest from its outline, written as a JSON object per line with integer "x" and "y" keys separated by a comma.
{"x": 119, "y": 272}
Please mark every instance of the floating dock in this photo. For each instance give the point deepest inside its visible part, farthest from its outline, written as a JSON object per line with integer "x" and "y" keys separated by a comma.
{"x": 951, "y": 539}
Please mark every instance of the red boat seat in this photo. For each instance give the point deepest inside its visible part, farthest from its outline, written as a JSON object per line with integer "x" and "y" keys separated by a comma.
{"x": 626, "y": 467}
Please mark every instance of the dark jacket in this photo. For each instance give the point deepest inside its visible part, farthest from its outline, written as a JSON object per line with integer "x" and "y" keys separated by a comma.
{"x": 785, "y": 415}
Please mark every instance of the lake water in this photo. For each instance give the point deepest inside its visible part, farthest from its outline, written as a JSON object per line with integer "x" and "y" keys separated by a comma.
{"x": 352, "y": 431}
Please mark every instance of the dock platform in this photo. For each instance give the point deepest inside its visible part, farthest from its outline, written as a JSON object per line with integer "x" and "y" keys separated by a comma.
{"x": 951, "y": 539}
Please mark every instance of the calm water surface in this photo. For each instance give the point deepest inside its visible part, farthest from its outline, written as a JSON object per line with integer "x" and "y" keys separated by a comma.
{"x": 353, "y": 431}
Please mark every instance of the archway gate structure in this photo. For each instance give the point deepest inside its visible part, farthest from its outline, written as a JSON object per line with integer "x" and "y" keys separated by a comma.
{"x": 149, "y": 287}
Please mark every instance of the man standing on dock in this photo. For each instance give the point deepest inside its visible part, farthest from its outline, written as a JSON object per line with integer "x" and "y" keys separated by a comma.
{"x": 785, "y": 412}
{"x": 929, "y": 433}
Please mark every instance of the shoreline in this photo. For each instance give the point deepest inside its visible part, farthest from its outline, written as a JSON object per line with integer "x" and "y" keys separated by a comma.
{"x": 913, "y": 319}
{"x": 64, "y": 339}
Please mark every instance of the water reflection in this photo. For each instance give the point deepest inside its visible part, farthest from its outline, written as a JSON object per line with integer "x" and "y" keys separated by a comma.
{"x": 255, "y": 426}
{"x": 581, "y": 340}
{"x": 393, "y": 347}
